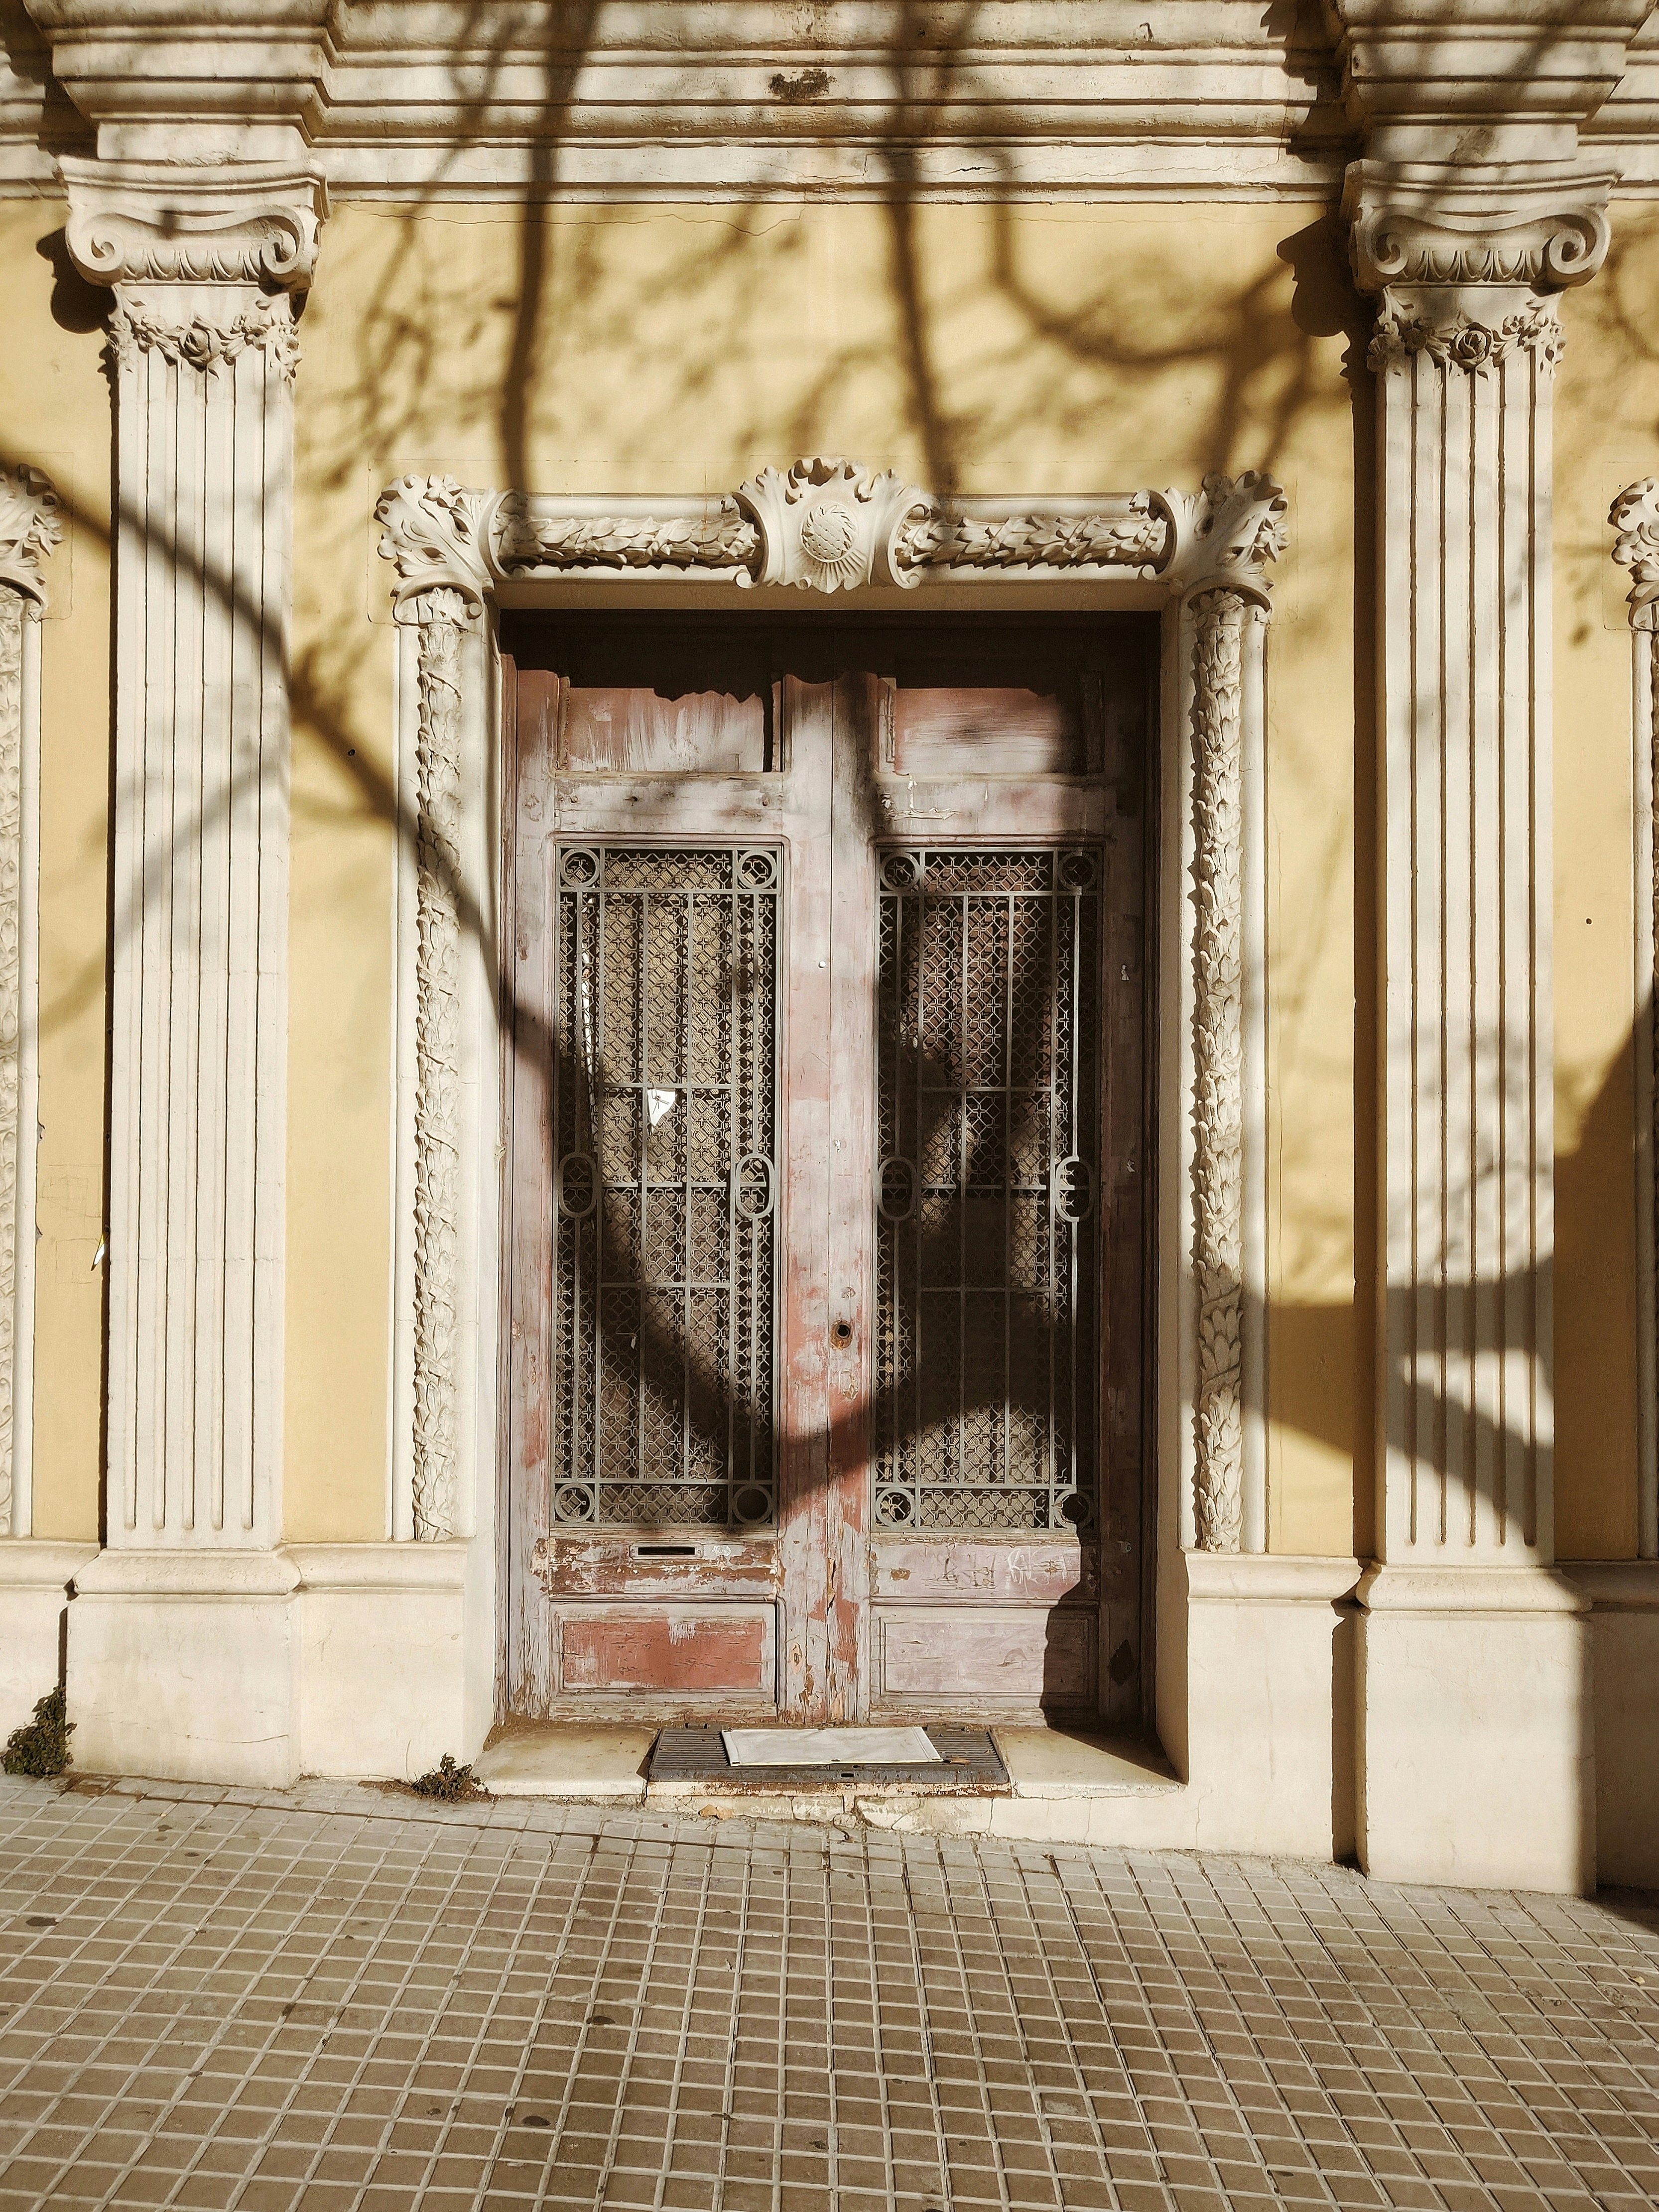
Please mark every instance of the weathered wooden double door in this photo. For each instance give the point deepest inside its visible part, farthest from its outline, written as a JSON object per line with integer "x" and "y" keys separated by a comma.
{"x": 827, "y": 1167}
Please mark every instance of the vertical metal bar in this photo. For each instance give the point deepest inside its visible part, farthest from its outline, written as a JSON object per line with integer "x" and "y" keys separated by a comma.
{"x": 1076, "y": 1144}
{"x": 963, "y": 982}
{"x": 1008, "y": 1211}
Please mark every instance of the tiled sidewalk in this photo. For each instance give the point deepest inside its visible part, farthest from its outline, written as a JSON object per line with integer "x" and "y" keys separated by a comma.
{"x": 340, "y": 1998}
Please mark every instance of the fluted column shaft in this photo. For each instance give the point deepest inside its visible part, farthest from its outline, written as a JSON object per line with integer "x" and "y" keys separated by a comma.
{"x": 202, "y": 352}
{"x": 1475, "y": 1758}
{"x": 1466, "y": 1105}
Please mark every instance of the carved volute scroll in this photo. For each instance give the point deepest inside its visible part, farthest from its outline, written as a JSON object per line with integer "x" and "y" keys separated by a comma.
{"x": 29, "y": 528}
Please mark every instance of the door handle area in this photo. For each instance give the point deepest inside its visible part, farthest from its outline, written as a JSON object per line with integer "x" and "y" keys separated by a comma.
{"x": 841, "y": 1333}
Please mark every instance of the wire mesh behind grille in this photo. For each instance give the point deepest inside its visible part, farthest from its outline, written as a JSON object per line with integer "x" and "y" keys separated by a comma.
{"x": 987, "y": 1115}
{"x": 666, "y": 1117}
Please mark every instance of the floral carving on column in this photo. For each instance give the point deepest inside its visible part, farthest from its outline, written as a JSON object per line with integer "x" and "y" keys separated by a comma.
{"x": 1224, "y": 539}
{"x": 1635, "y": 517}
{"x": 430, "y": 529}
{"x": 29, "y": 528}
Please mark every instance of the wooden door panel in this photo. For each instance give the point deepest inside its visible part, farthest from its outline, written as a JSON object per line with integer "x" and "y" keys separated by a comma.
{"x": 613, "y": 731}
{"x": 1002, "y": 1660}
{"x": 942, "y": 1541}
{"x": 674, "y": 1653}
{"x": 1016, "y": 1568}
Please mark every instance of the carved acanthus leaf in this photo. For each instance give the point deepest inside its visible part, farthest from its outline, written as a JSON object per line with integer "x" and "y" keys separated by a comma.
{"x": 437, "y": 1040}
{"x": 265, "y": 324}
{"x": 724, "y": 538}
{"x": 434, "y": 532}
{"x": 1227, "y": 534}
{"x": 1634, "y": 515}
{"x": 1032, "y": 541}
{"x": 31, "y": 524}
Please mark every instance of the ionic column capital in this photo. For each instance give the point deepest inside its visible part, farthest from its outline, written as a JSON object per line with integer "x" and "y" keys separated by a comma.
{"x": 204, "y": 263}
{"x": 1466, "y": 261}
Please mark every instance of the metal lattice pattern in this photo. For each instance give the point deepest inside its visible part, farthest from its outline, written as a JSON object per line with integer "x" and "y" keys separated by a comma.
{"x": 987, "y": 1115}
{"x": 665, "y": 1119}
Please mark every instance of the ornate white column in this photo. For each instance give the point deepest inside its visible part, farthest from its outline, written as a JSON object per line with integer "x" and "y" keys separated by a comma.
{"x": 1476, "y": 1754}
{"x": 29, "y": 529}
{"x": 201, "y": 353}
{"x": 183, "y": 1645}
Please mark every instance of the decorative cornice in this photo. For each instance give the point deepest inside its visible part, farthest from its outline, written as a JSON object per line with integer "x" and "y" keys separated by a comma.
{"x": 1634, "y": 515}
{"x": 30, "y": 526}
{"x": 146, "y": 223}
{"x": 1482, "y": 80}
{"x": 828, "y": 525}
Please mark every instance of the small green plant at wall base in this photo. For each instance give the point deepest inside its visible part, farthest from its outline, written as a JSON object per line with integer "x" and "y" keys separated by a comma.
{"x": 42, "y": 1745}
{"x": 449, "y": 1781}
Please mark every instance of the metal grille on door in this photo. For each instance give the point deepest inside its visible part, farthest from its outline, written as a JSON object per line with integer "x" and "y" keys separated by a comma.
{"x": 988, "y": 1113}
{"x": 665, "y": 1141}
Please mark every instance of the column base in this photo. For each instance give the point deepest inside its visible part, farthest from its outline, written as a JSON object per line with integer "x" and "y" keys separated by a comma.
{"x": 35, "y": 1574}
{"x": 1625, "y": 1630}
{"x": 381, "y": 1667}
{"x": 1268, "y": 1663}
{"x": 185, "y": 1666}
{"x": 1476, "y": 1742}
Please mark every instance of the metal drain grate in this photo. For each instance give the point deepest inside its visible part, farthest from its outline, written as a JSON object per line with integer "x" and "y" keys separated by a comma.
{"x": 970, "y": 1763}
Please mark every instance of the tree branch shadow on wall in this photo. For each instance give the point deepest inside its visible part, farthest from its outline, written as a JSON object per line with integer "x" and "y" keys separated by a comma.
{"x": 1260, "y": 358}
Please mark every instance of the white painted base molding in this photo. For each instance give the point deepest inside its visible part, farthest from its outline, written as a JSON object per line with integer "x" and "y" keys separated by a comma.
{"x": 34, "y": 1578}
{"x": 382, "y": 1671}
{"x": 1476, "y": 1736}
{"x": 1625, "y": 1630}
{"x": 257, "y": 1666}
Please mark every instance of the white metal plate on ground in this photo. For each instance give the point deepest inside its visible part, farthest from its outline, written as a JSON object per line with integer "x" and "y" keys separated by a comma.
{"x": 831, "y": 1746}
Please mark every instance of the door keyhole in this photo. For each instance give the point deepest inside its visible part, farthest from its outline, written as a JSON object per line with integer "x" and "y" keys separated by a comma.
{"x": 841, "y": 1335}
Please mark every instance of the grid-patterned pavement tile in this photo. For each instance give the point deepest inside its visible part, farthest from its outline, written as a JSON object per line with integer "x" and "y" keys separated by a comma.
{"x": 337, "y": 1997}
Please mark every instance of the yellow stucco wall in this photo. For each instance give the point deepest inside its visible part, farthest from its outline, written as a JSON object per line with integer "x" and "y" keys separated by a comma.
{"x": 676, "y": 349}
{"x": 1607, "y": 423}
{"x": 54, "y": 413}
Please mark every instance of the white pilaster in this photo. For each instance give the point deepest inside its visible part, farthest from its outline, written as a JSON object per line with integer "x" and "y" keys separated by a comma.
{"x": 204, "y": 263}
{"x": 1476, "y": 1743}
{"x": 203, "y": 351}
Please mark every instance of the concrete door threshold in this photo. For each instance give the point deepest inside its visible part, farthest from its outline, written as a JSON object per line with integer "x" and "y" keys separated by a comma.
{"x": 1048, "y": 1768}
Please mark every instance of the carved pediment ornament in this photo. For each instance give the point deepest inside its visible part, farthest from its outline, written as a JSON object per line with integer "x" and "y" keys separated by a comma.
{"x": 829, "y": 525}
{"x": 826, "y": 524}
